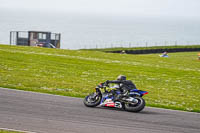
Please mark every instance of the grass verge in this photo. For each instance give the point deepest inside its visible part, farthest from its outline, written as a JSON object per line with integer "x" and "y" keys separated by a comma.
{"x": 172, "y": 82}
{"x": 7, "y": 131}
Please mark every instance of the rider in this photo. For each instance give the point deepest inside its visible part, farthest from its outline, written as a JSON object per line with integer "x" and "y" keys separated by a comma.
{"x": 123, "y": 85}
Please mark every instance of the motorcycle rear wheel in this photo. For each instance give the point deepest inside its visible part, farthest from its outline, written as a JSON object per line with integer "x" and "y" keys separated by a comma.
{"x": 135, "y": 107}
{"x": 92, "y": 100}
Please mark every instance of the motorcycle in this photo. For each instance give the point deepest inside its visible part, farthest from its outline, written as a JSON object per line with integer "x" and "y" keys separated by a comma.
{"x": 132, "y": 102}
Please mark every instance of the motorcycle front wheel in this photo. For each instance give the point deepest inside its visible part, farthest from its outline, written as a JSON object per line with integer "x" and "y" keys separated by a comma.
{"x": 136, "y": 106}
{"x": 92, "y": 100}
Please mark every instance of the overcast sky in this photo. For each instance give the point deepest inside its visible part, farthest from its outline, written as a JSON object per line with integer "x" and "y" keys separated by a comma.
{"x": 187, "y": 8}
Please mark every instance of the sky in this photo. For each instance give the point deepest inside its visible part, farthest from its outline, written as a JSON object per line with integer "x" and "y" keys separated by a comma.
{"x": 187, "y": 8}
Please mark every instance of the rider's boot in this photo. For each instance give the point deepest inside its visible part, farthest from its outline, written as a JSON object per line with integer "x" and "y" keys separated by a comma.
{"x": 118, "y": 97}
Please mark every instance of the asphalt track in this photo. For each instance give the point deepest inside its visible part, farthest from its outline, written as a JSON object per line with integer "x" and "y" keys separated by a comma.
{"x": 44, "y": 113}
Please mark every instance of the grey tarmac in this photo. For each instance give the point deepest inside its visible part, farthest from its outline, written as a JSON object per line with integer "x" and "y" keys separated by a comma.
{"x": 45, "y": 113}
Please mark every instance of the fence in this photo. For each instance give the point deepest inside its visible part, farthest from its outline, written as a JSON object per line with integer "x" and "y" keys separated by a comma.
{"x": 130, "y": 44}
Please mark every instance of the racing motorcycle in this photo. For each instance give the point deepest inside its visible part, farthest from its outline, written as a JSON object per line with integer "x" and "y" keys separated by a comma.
{"x": 132, "y": 102}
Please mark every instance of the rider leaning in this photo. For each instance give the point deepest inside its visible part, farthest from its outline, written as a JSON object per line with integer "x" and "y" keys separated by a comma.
{"x": 123, "y": 85}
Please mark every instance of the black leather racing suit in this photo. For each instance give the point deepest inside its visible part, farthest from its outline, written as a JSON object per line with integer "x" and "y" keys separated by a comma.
{"x": 124, "y": 86}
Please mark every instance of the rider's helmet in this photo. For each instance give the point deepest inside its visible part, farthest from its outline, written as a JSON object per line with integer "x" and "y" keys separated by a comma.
{"x": 121, "y": 77}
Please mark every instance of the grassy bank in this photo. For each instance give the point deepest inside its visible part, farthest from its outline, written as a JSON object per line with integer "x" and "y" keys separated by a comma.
{"x": 172, "y": 82}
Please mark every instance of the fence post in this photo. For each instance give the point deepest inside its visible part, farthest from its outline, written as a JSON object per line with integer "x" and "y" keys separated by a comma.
{"x": 165, "y": 43}
{"x": 155, "y": 43}
{"x": 10, "y": 37}
{"x": 175, "y": 43}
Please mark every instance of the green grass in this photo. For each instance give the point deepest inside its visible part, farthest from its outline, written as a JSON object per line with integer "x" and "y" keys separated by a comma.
{"x": 6, "y": 131}
{"x": 143, "y": 48}
{"x": 172, "y": 82}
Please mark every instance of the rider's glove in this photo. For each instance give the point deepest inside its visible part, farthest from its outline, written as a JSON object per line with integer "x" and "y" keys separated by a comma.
{"x": 107, "y": 82}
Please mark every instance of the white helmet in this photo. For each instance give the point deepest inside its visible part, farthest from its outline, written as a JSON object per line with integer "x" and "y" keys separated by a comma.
{"x": 121, "y": 77}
